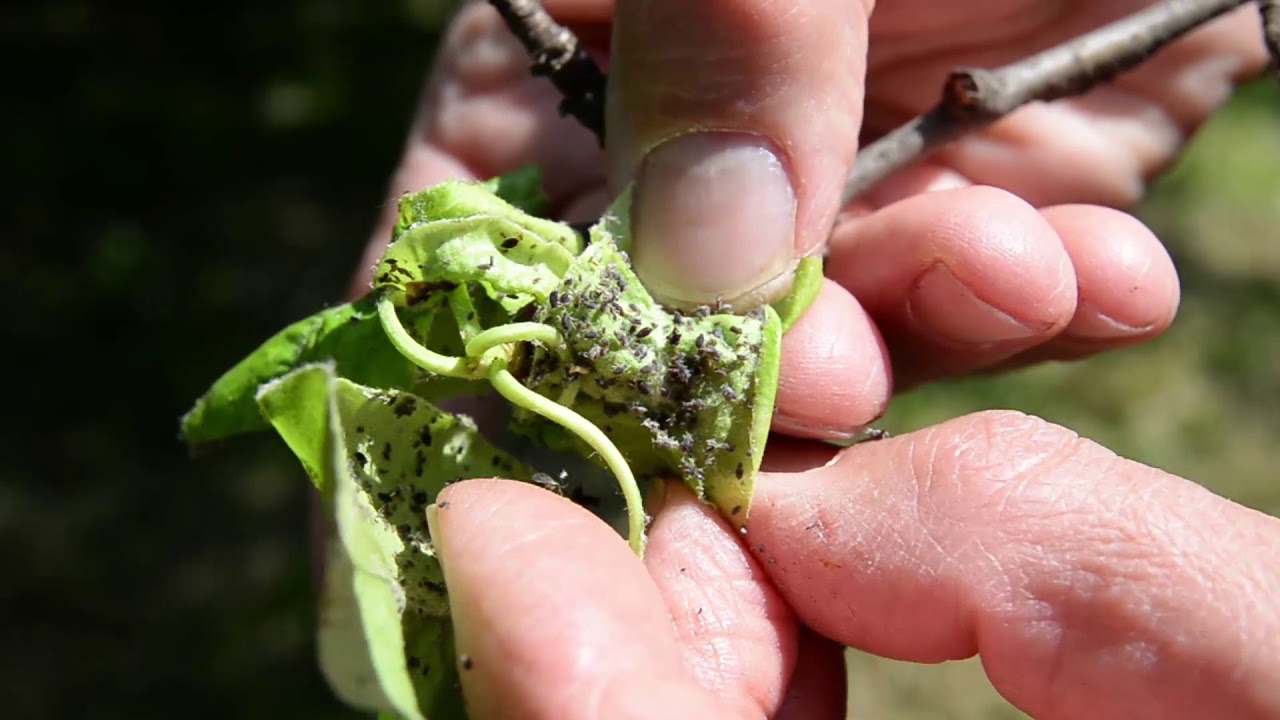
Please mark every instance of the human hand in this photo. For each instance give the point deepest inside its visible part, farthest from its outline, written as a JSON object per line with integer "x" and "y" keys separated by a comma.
{"x": 1089, "y": 585}
{"x": 950, "y": 276}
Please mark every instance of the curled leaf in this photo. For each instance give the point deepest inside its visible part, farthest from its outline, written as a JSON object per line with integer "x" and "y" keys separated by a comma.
{"x": 458, "y": 233}
{"x": 682, "y": 395}
{"x": 348, "y": 335}
{"x": 382, "y": 456}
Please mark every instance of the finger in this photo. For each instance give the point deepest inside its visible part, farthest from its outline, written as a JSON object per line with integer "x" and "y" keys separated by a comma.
{"x": 1091, "y": 586}
{"x": 738, "y": 142}
{"x": 835, "y": 376}
{"x": 1102, "y": 147}
{"x": 483, "y": 114}
{"x": 1127, "y": 287}
{"x": 552, "y": 614}
{"x": 484, "y": 107}
{"x": 736, "y": 635}
{"x": 819, "y": 685}
{"x": 956, "y": 280}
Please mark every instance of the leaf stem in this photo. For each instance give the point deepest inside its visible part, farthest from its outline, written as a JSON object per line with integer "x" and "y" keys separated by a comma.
{"x": 409, "y": 347}
{"x": 512, "y": 333}
{"x": 464, "y": 312}
{"x": 511, "y": 389}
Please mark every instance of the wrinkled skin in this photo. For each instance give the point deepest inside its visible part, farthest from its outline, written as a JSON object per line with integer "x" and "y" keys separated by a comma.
{"x": 1091, "y": 586}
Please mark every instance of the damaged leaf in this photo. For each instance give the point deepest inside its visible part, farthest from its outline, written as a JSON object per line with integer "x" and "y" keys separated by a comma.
{"x": 385, "y": 638}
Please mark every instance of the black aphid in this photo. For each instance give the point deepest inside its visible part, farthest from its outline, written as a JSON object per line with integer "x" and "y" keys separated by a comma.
{"x": 404, "y": 407}
{"x": 678, "y": 374}
{"x": 510, "y": 243}
{"x": 548, "y": 483}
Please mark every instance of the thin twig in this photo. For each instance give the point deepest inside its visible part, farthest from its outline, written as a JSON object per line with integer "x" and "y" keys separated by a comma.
{"x": 1270, "y": 10}
{"x": 975, "y": 98}
{"x": 972, "y": 98}
{"x": 559, "y": 56}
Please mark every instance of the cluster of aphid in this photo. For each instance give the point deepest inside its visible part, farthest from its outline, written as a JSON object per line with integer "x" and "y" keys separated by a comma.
{"x": 393, "y": 472}
{"x": 639, "y": 372}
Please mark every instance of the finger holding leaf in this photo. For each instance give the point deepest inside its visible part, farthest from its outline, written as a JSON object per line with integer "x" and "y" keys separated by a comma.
{"x": 473, "y": 292}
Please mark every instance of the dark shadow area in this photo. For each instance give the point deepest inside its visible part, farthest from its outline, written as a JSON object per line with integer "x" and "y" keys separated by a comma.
{"x": 182, "y": 181}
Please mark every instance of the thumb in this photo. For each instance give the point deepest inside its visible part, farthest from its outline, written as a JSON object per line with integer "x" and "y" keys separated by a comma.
{"x": 737, "y": 120}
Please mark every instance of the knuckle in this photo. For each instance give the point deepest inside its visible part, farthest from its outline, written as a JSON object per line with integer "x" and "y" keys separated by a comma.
{"x": 989, "y": 452}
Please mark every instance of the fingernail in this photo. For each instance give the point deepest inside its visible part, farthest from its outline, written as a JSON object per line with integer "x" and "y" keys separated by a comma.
{"x": 713, "y": 219}
{"x": 1089, "y": 322}
{"x": 435, "y": 529}
{"x": 944, "y": 307}
{"x": 809, "y": 430}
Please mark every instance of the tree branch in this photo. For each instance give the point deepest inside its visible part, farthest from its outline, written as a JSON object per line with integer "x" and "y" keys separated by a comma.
{"x": 975, "y": 98}
{"x": 972, "y": 98}
{"x": 1270, "y": 10}
{"x": 559, "y": 56}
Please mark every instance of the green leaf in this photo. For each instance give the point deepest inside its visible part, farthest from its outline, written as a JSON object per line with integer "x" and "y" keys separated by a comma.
{"x": 349, "y": 335}
{"x": 681, "y": 395}
{"x": 804, "y": 290}
{"x": 385, "y": 638}
{"x": 521, "y": 188}
{"x": 297, "y": 405}
{"x": 459, "y": 233}
{"x": 464, "y": 201}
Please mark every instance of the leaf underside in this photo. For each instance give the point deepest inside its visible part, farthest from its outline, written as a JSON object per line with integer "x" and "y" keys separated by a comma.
{"x": 382, "y": 456}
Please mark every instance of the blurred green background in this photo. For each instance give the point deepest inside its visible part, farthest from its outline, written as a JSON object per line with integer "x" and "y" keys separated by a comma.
{"x": 184, "y": 180}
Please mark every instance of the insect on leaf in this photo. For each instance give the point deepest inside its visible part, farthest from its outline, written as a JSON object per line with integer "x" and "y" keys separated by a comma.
{"x": 385, "y": 637}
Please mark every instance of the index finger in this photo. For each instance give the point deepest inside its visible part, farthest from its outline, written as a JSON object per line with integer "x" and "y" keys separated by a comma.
{"x": 553, "y": 616}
